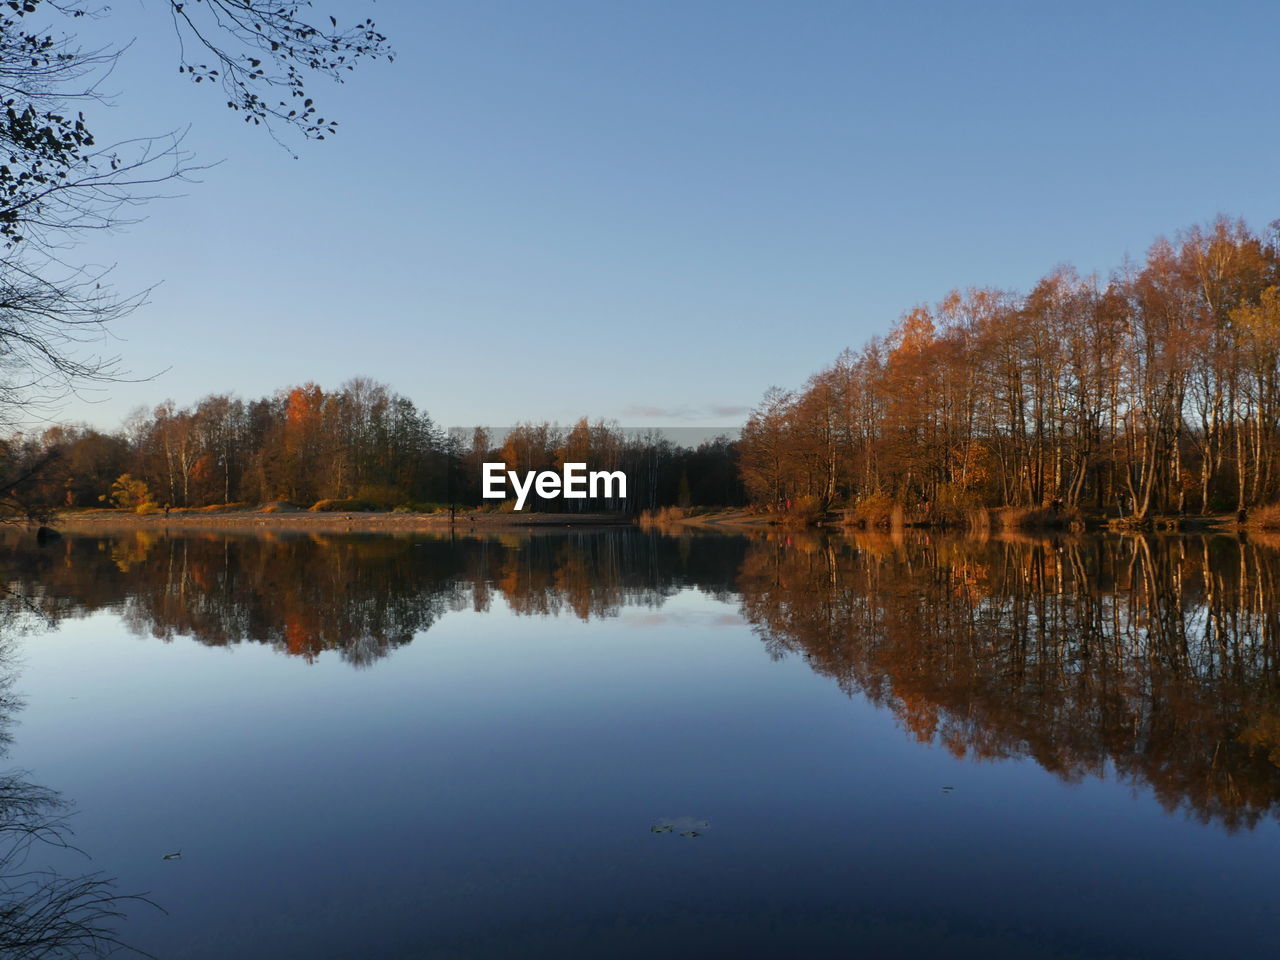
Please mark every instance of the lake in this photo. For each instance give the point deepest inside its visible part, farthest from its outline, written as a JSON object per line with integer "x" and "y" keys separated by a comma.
{"x": 615, "y": 743}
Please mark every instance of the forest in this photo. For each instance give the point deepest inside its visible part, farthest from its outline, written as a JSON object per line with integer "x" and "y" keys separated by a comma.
{"x": 360, "y": 447}
{"x": 1152, "y": 392}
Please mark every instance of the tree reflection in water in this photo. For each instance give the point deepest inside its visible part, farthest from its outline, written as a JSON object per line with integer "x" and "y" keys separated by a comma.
{"x": 1152, "y": 657}
{"x": 44, "y": 913}
{"x": 359, "y": 596}
{"x": 1156, "y": 656}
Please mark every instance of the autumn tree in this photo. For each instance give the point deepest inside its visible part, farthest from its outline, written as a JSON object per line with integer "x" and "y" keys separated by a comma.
{"x": 1154, "y": 391}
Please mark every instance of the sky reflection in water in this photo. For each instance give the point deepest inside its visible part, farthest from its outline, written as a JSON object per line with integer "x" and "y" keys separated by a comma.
{"x": 411, "y": 747}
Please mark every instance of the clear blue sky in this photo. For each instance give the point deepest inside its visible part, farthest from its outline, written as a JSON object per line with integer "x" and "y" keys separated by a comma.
{"x": 549, "y": 209}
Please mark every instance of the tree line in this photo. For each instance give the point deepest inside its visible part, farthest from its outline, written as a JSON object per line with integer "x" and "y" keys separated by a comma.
{"x": 1154, "y": 391}
{"x": 361, "y": 446}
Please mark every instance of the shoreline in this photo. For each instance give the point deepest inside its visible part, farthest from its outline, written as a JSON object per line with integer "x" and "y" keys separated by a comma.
{"x": 304, "y": 520}
{"x": 734, "y": 520}
{"x": 1083, "y": 523}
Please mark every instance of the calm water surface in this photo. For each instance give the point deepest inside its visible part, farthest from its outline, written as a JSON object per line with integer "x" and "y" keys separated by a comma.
{"x": 620, "y": 744}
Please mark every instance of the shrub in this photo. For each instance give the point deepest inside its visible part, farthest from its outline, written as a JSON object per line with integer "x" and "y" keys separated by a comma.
{"x": 805, "y": 509}
{"x": 662, "y": 516}
{"x": 1039, "y": 518}
{"x": 352, "y": 503}
{"x": 129, "y": 493}
{"x": 955, "y": 507}
{"x": 1265, "y": 518}
{"x": 383, "y": 495}
{"x": 874, "y": 510}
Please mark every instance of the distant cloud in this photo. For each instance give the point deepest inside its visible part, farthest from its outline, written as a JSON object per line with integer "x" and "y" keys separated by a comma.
{"x": 716, "y": 410}
{"x": 658, "y": 413}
